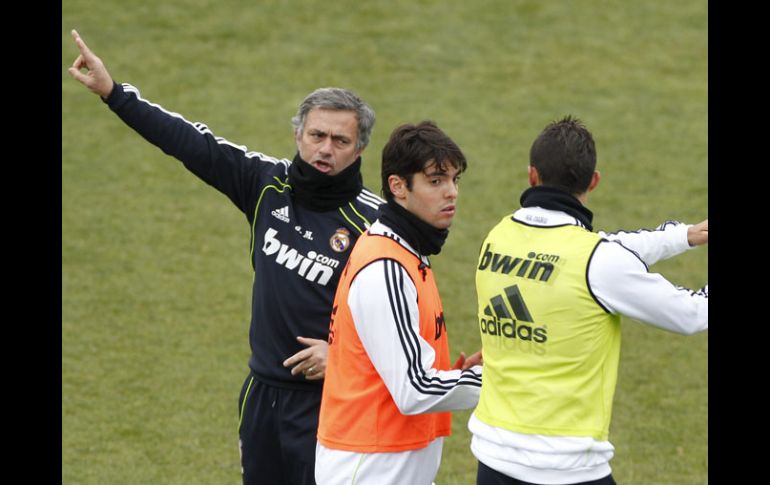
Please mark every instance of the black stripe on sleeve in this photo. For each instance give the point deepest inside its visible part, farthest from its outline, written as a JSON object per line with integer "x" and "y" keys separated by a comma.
{"x": 394, "y": 279}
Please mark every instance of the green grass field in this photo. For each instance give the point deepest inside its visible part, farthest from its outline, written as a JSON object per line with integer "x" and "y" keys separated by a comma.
{"x": 155, "y": 271}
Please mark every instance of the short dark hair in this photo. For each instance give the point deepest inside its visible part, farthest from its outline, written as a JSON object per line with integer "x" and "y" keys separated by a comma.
{"x": 411, "y": 147}
{"x": 564, "y": 155}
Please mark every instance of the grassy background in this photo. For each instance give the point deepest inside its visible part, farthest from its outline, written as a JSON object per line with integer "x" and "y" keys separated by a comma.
{"x": 155, "y": 272}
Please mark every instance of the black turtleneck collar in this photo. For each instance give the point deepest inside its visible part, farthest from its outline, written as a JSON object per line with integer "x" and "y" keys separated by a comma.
{"x": 555, "y": 199}
{"x": 319, "y": 192}
{"x": 424, "y": 238}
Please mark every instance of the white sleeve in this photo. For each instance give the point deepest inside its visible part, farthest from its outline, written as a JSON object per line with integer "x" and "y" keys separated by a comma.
{"x": 665, "y": 241}
{"x": 383, "y": 303}
{"x": 622, "y": 284}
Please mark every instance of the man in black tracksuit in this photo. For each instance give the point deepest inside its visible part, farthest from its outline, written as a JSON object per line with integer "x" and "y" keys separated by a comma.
{"x": 305, "y": 215}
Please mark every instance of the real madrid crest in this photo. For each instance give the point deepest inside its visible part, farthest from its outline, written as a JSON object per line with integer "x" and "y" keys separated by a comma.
{"x": 340, "y": 241}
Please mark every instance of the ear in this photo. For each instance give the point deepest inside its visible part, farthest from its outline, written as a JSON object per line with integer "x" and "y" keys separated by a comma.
{"x": 397, "y": 186}
{"x": 297, "y": 137}
{"x": 595, "y": 178}
{"x": 534, "y": 177}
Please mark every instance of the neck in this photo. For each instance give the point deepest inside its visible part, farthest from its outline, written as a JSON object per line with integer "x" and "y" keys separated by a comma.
{"x": 320, "y": 192}
{"x": 556, "y": 199}
{"x": 424, "y": 238}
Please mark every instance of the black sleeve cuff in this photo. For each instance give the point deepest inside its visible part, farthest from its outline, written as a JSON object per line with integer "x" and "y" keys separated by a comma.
{"x": 116, "y": 97}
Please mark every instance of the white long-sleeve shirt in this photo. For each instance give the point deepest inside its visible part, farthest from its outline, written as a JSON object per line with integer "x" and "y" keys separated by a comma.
{"x": 618, "y": 277}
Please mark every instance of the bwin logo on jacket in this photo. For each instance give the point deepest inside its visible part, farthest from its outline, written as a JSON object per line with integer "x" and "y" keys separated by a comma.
{"x": 541, "y": 264}
{"x": 313, "y": 267}
{"x": 500, "y": 321}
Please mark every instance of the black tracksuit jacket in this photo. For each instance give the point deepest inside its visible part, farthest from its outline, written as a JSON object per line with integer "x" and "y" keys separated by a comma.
{"x": 297, "y": 254}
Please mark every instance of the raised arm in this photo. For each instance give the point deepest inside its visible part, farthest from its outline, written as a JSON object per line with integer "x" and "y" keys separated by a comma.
{"x": 230, "y": 168}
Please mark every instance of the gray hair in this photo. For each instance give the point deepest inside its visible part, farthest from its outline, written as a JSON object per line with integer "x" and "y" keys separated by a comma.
{"x": 337, "y": 99}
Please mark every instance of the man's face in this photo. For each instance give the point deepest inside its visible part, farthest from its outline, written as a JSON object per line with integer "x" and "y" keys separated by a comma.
{"x": 328, "y": 140}
{"x": 433, "y": 195}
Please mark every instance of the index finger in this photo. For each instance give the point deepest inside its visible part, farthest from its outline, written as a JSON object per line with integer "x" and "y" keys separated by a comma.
{"x": 298, "y": 357}
{"x": 310, "y": 341}
{"x": 79, "y": 42}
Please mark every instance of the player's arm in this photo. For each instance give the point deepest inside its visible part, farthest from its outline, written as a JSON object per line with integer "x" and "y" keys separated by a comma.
{"x": 665, "y": 241}
{"x": 228, "y": 167}
{"x": 622, "y": 284}
{"x": 383, "y": 302}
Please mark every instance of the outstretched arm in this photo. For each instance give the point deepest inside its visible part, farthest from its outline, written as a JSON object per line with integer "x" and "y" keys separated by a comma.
{"x": 230, "y": 168}
{"x": 622, "y": 284}
{"x": 665, "y": 241}
{"x": 96, "y": 78}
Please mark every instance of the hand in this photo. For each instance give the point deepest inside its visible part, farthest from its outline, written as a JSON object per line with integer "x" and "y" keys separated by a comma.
{"x": 96, "y": 78}
{"x": 698, "y": 234}
{"x": 464, "y": 363}
{"x": 475, "y": 359}
{"x": 310, "y": 361}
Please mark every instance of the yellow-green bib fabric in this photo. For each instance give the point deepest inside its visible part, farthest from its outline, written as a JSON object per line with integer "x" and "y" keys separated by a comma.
{"x": 550, "y": 349}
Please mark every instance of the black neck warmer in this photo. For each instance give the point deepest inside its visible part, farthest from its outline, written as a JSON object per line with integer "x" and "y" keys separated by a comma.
{"x": 320, "y": 192}
{"x": 558, "y": 200}
{"x": 424, "y": 238}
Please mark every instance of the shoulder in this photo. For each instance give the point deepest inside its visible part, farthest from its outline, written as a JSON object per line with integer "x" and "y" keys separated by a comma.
{"x": 385, "y": 272}
{"x": 612, "y": 255}
{"x": 368, "y": 203}
{"x": 266, "y": 170}
{"x": 278, "y": 167}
